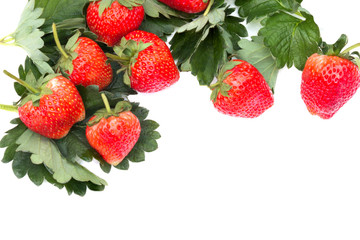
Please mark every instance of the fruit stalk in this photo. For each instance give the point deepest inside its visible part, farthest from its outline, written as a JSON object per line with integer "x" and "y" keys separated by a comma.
{"x": 57, "y": 41}
{"x": 106, "y": 103}
{"x": 9, "y": 108}
{"x": 23, "y": 83}
{"x": 208, "y": 7}
{"x": 351, "y": 48}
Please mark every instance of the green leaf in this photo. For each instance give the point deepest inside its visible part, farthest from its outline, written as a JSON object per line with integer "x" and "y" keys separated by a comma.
{"x": 76, "y": 187}
{"x": 31, "y": 67}
{"x": 71, "y": 24}
{"x": 156, "y": 9}
{"x": 149, "y": 126}
{"x": 258, "y": 8}
{"x": 29, "y": 37}
{"x": 21, "y": 164}
{"x": 20, "y": 90}
{"x": 147, "y": 141}
{"x": 232, "y": 31}
{"x": 208, "y": 56}
{"x": 140, "y": 112}
{"x": 291, "y": 39}
{"x": 9, "y": 153}
{"x": 183, "y": 45}
{"x": 161, "y": 26}
{"x": 44, "y": 151}
{"x": 75, "y": 145}
{"x": 36, "y": 174}
{"x": 105, "y": 166}
{"x": 257, "y": 54}
{"x": 12, "y": 135}
{"x": 204, "y": 44}
{"x": 137, "y": 154}
{"x": 124, "y": 165}
{"x": 57, "y": 11}
{"x": 214, "y": 17}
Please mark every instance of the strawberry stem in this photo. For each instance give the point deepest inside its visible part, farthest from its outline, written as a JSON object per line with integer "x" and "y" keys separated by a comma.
{"x": 23, "y": 83}
{"x": 208, "y": 7}
{"x": 9, "y": 108}
{"x": 57, "y": 41}
{"x": 106, "y": 103}
{"x": 351, "y": 48}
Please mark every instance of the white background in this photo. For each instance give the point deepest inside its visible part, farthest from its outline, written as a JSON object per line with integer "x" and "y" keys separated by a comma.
{"x": 286, "y": 175}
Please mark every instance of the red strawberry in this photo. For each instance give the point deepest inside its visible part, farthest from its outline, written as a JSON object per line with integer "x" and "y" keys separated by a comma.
{"x": 328, "y": 82}
{"x": 241, "y": 91}
{"x": 55, "y": 108}
{"x": 147, "y": 61}
{"x": 188, "y": 6}
{"x": 111, "y": 20}
{"x": 113, "y": 132}
{"x": 84, "y": 61}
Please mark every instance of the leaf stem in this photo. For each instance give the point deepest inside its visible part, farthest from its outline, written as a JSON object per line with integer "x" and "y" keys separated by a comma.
{"x": 351, "y": 48}
{"x": 208, "y": 7}
{"x": 23, "y": 83}
{"x": 106, "y": 103}
{"x": 8, "y": 40}
{"x": 7, "y": 36}
{"x": 57, "y": 41}
{"x": 9, "y": 108}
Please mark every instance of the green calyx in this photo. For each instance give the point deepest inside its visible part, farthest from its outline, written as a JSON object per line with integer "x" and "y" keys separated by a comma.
{"x": 126, "y": 55}
{"x": 36, "y": 87}
{"x": 336, "y": 49}
{"x": 107, "y": 112}
{"x": 220, "y": 86}
{"x": 104, "y": 4}
{"x": 68, "y": 54}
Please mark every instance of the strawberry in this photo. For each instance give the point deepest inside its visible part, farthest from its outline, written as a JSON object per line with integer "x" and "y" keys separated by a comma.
{"x": 111, "y": 20}
{"x": 241, "y": 91}
{"x": 188, "y": 6}
{"x": 113, "y": 132}
{"x": 52, "y": 107}
{"x": 147, "y": 62}
{"x": 84, "y": 61}
{"x": 329, "y": 81}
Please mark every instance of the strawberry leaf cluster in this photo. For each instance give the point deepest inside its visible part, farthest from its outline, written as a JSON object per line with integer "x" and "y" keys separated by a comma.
{"x": 251, "y": 10}
{"x": 57, "y": 161}
{"x": 205, "y": 43}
